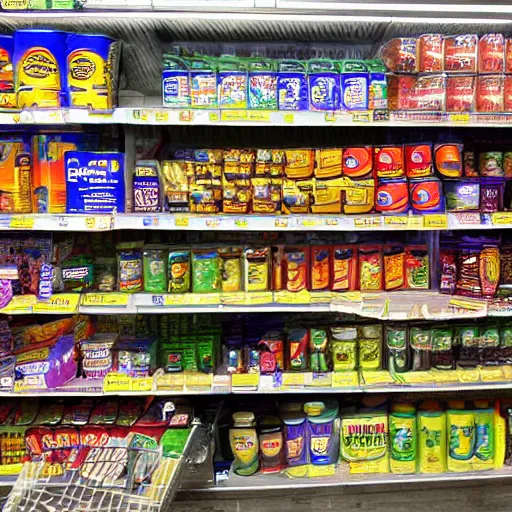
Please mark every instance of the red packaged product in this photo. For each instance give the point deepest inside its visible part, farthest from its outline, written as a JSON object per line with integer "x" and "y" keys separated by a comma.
{"x": 357, "y": 162}
{"x": 426, "y": 93}
{"x": 296, "y": 268}
{"x": 470, "y": 169}
{"x": 507, "y": 94}
{"x": 490, "y": 93}
{"x": 508, "y": 56}
{"x": 448, "y": 265}
{"x": 430, "y": 51}
{"x": 394, "y": 267}
{"x": 399, "y": 54}
{"x": 389, "y": 161}
{"x": 460, "y": 93}
{"x": 320, "y": 267}
{"x": 460, "y": 53}
{"x": 491, "y": 53}
{"x": 67, "y": 444}
{"x": 344, "y": 261}
{"x": 392, "y": 196}
{"x": 370, "y": 268}
{"x": 418, "y": 160}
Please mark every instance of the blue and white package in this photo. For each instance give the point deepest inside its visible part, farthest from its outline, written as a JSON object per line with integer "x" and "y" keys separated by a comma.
{"x": 354, "y": 85}
{"x": 95, "y": 182}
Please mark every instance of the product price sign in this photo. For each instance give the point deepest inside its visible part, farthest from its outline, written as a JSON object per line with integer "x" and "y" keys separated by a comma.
{"x": 233, "y": 299}
{"x": 289, "y": 119}
{"x": 198, "y": 380}
{"x": 468, "y": 375}
{"x": 203, "y": 299}
{"x": 170, "y": 382}
{"x": 396, "y": 222}
{"x": 111, "y": 299}
{"x": 181, "y": 222}
{"x": 255, "y": 298}
{"x": 241, "y": 223}
{"x": 294, "y": 380}
{"x": 213, "y": 117}
{"x": 227, "y": 116}
{"x": 115, "y": 382}
{"x": 348, "y": 379}
{"x": 142, "y": 384}
{"x": 286, "y": 297}
{"x": 436, "y": 221}
{"x": 22, "y": 222}
{"x": 323, "y": 380}
{"x": 371, "y": 222}
{"x": 492, "y": 374}
{"x": 161, "y": 116}
{"x": 99, "y": 222}
{"x": 377, "y": 378}
{"x": 245, "y": 380}
{"x": 321, "y": 297}
{"x": 20, "y": 304}
{"x": 501, "y": 218}
{"x": 63, "y": 303}
{"x": 281, "y": 222}
{"x": 258, "y": 116}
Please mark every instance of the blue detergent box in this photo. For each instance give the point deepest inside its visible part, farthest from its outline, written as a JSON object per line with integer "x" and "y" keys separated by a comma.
{"x": 95, "y": 182}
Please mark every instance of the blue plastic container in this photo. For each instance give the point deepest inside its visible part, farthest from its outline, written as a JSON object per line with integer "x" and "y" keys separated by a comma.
{"x": 324, "y": 85}
{"x": 40, "y": 68}
{"x": 91, "y": 71}
{"x": 262, "y": 84}
{"x": 292, "y": 86}
{"x": 95, "y": 182}
{"x": 354, "y": 85}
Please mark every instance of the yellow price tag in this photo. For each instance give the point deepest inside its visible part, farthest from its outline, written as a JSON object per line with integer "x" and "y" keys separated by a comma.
{"x": 445, "y": 375}
{"x": 161, "y": 116}
{"x": 330, "y": 117}
{"x": 417, "y": 378}
{"x": 281, "y": 223}
{"x": 203, "y": 299}
{"x": 372, "y": 378}
{"x": 361, "y": 117}
{"x": 368, "y": 222}
{"x": 436, "y": 221}
{"x": 463, "y": 118}
{"x": 345, "y": 380}
{"x": 186, "y": 116}
{"x": 312, "y": 222}
{"x": 286, "y": 297}
{"x": 65, "y": 303}
{"x": 233, "y": 298}
{"x": 415, "y": 222}
{"x": 213, "y": 117}
{"x": 245, "y": 380}
{"x": 116, "y": 381}
{"x": 19, "y": 304}
{"x": 321, "y": 297}
{"x": 492, "y": 374}
{"x": 289, "y": 118}
{"x": 233, "y": 115}
{"x": 323, "y": 380}
{"x": 260, "y": 117}
{"x": 241, "y": 223}
{"x": 181, "y": 222}
{"x": 170, "y": 381}
{"x": 293, "y": 379}
{"x": 254, "y": 298}
{"x": 100, "y": 222}
{"x": 198, "y": 380}
{"x": 142, "y": 384}
{"x": 396, "y": 222}
{"x": 22, "y": 222}
{"x": 501, "y": 218}
{"x": 171, "y": 299}
{"x": 468, "y": 374}
{"x": 105, "y": 299}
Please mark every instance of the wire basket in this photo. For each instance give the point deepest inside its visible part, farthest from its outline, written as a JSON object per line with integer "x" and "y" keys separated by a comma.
{"x": 134, "y": 477}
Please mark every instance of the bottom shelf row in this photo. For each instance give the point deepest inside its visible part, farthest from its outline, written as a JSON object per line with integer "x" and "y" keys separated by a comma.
{"x": 253, "y": 443}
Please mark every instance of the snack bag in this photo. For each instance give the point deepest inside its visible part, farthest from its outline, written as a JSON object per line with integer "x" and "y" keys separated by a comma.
{"x": 357, "y": 162}
{"x": 490, "y": 93}
{"x": 389, "y": 161}
{"x": 328, "y": 163}
{"x": 176, "y": 175}
{"x": 397, "y": 344}
{"x": 344, "y": 347}
{"x": 430, "y": 53}
{"x": 392, "y": 196}
{"x": 460, "y": 53}
{"x": 130, "y": 271}
{"x": 154, "y": 262}
{"x": 297, "y": 196}
{"x": 400, "y": 55}
{"x": 364, "y": 442}
{"x": 345, "y": 268}
{"x": 491, "y": 194}
{"x": 377, "y": 85}
{"x": 327, "y": 196}
{"x": 179, "y": 272}
{"x": 370, "y": 347}
{"x": 206, "y": 184}
{"x": 370, "y": 268}
{"x": 394, "y": 267}
{"x": 321, "y": 267}
{"x": 146, "y": 187}
{"x": 418, "y": 160}
{"x": 299, "y": 163}
{"x": 267, "y": 182}
{"x": 296, "y": 268}
{"x": 417, "y": 268}
{"x": 236, "y": 180}
{"x": 491, "y": 53}
{"x": 206, "y": 276}
{"x": 460, "y": 93}
{"x": 257, "y": 269}
{"x": 358, "y": 196}
{"x": 231, "y": 268}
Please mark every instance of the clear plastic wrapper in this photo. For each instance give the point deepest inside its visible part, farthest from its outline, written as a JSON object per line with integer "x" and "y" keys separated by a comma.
{"x": 460, "y": 93}
{"x": 430, "y": 53}
{"x": 425, "y": 93}
{"x": 490, "y": 93}
{"x": 491, "y": 53}
{"x": 460, "y": 53}
{"x": 399, "y": 54}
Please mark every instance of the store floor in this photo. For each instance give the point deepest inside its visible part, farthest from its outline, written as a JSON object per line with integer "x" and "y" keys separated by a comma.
{"x": 427, "y": 497}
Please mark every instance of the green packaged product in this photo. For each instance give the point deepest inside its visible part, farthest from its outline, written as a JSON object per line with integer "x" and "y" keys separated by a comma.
{"x": 344, "y": 348}
{"x": 154, "y": 268}
{"x": 173, "y": 442}
{"x": 206, "y": 276}
{"x": 421, "y": 346}
{"x": 179, "y": 272}
{"x": 432, "y": 449}
{"x": 397, "y": 345}
{"x": 442, "y": 345}
{"x": 370, "y": 347}
{"x": 403, "y": 442}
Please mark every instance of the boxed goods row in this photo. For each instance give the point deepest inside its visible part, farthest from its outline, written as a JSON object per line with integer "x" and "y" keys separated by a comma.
{"x": 420, "y": 178}
{"x": 52, "y": 69}
{"x": 257, "y": 83}
{"x": 435, "y": 53}
{"x": 324, "y": 438}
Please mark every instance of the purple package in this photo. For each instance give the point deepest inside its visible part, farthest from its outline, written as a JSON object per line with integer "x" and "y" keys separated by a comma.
{"x": 295, "y": 434}
{"x": 491, "y": 194}
{"x": 57, "y": 369}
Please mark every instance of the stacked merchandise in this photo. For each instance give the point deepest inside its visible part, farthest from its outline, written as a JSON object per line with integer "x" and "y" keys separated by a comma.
{"x": 387, "y": 179}
{"x": 462, "y": 73}
{"x": 61, "y": 434}
{"x": 324, "y": 438}
{"x": 52, "y": 69}
{"x": 229, "y": 82}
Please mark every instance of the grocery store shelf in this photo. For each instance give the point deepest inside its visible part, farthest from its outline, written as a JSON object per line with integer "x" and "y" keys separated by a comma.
{"x": 399, "y": 305}
{"x": 225, "y": 222}
{"x": 270, "y": 483}
{"x": 141, "y": 115}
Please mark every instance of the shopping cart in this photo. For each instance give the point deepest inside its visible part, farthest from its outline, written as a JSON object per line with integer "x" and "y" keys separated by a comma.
{"x": 133, "y": 477}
